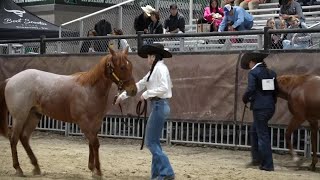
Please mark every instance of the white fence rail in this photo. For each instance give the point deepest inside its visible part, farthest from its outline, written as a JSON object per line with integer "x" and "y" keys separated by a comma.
{"x": 224, "y": 134}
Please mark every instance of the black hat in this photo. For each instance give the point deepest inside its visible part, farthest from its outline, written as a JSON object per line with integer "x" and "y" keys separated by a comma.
{"x": 155, "y": 48}
{"x": 252, "y": 56}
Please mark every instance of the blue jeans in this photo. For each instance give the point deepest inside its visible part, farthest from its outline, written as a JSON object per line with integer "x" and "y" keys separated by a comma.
{"x": 260, "y": 138}
{"x": 247, "y": 25}
{"x": 161, "y": 166}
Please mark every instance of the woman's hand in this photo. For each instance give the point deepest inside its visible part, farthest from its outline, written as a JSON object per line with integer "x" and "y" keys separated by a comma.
{"x": 141, "y": 98}
{"x": 118, "y": 100}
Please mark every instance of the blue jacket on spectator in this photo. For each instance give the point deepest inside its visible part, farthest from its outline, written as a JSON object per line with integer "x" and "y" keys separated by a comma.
{"x": 240, "y": 19}
{"x": 258, "y": 98}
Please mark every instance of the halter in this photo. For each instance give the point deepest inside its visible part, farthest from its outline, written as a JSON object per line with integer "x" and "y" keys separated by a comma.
{"x": 118, "y": 81}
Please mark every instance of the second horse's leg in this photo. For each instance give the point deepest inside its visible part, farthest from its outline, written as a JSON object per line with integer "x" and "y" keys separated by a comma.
{"x": 293, "y": 125}
{"x": 314, "y": 131}
{"x": 29, "y": 127}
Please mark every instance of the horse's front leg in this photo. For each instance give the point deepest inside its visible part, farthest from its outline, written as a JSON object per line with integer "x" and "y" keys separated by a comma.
{"x": 314, "y": 129}
{"x": 91, "y": 158}
{"x": 293, "y": 125}
{"x": 95, "y": 144}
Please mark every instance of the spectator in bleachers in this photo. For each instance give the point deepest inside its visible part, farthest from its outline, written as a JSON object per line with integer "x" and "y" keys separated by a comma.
{"x": 235, "y": 19}
{"x": 142, "y": 21}
{"x": 155, "y": 27}
{"x": 103, "y": 28}
{"x": 291, "y": 8}
{"x": 306, "y": 2}
{"x": 231, "y": 2}
{"x": 296, "y": 40}
{"x": 251, "y": 4}
{"x": 120, "y": 44}
{"x": 89, "y": 46}
{"x": 276, "y": 41}
{"x": 175, "y": 22}
{"x": 213, "y": 14}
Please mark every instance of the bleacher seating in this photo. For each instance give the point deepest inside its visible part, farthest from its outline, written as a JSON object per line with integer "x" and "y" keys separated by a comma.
{"x": 269, "y": 10}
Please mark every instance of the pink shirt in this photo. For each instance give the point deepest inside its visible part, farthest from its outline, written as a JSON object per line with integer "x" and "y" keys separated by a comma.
{"x": 208, "y": 14}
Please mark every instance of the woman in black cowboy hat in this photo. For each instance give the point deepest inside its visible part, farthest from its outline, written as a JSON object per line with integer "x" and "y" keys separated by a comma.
{"x": 158, "y": 86}
{"x": 261, "y": 93}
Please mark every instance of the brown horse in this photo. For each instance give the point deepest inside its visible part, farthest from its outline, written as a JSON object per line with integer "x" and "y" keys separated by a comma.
{"x": 302, "y": 94}
{"x": 80, "y": 98}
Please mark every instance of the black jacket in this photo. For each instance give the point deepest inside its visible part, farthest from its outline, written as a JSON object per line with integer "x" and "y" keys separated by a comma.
{"x": 140, "y": 23}
{"x": 258, "y": 98}
{"x": 156, "y": 28}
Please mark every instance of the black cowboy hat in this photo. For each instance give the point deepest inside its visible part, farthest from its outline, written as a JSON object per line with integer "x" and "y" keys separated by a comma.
{"x": 155, "y": 48}
{"x": 252, "y": 56}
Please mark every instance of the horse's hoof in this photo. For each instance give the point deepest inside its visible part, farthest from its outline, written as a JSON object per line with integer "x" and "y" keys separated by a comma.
{"x": 312, "y": 167}
{"x": 96, "y": 175}
{"x": 91, "y": 167}
{"x": 298, "y": 161}
{"x": 19, "y": 173}
{"x": 36, "y": 172}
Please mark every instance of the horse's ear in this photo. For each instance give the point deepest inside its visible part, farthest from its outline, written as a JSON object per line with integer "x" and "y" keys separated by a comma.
{"x": 126, "y": 50}
{"x": 112, "y": 52}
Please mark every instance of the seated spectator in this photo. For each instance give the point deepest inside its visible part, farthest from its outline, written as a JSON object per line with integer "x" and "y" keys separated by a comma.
{"x": 175, "y": 23}
{"x": 251, "y": 4}
{"x": 142, "y": 21}
{"x": 213, "y": 14}
{"x": 155, "y": 27}
{"x": 296, "y": 40}
{"x": 120, "y": 44}
{"x": 231, "y": 2}
{"x": 89, "y": 46}
{"x": 235, "y": 19}
{"x": 276, "y": 41}
{"x": 103, "y": 28}
{"x": 306, "y": 2}
{"x": 291, "y": 8}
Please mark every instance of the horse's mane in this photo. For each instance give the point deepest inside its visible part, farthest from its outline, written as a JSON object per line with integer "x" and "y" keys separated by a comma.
{"x": 94, "y": 74}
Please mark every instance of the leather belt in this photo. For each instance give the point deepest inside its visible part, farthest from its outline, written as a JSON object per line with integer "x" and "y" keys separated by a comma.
{"x": 156, "y": 99}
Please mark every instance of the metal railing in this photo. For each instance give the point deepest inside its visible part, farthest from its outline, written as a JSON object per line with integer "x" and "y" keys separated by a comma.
{"x": 223, "y": 133}
{"x": 184, "y": 42}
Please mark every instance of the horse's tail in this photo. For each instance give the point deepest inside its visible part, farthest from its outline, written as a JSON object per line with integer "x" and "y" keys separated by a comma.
{"x": 3, "y": 111}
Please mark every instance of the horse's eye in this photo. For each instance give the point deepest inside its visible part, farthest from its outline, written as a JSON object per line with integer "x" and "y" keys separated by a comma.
{"x": 122, "y": 68}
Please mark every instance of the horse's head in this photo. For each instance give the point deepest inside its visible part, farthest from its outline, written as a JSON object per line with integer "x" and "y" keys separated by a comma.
{"x": 119, "y": 70}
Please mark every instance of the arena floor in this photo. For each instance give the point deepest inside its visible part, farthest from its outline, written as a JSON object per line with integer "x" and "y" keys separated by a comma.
{"x": 63, "y": 157}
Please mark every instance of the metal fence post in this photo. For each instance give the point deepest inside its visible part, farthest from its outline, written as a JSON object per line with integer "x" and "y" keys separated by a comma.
{"x": 267, "y": 38}
{"x": 120, "y": 17}
{"x": 42, "y": 45}
{"x": 190, "y": 12}
{"x": 81, "y": 34}
{"x": 59, "y": 42}
{"x": 139, "y": 40}
{"x": 66, "y": 132}
{"x": 307, "y": 148}
{"x": 169, "y": 130}
{"x": 157, "y": 5}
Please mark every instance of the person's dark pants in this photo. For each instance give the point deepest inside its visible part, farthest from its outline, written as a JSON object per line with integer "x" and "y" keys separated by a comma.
{"x": 260, "y": 138}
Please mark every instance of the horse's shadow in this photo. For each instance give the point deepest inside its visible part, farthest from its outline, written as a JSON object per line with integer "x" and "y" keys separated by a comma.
{"x": 301, "y": 168}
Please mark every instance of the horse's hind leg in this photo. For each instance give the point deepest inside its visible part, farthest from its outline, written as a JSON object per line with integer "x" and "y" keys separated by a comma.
{"x": 28, "y": 128}
{"x": 314, "y": 129}
{"x": 15, "y": 134}
{"x": 293, "y": 125}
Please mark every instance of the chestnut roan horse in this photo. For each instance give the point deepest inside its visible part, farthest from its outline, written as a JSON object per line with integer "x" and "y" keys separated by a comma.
{"x": 303, "y": 95}
{"x": 80, "y": 98}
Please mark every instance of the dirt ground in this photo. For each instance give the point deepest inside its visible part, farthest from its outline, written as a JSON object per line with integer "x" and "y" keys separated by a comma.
{"x": 63, "y": 157}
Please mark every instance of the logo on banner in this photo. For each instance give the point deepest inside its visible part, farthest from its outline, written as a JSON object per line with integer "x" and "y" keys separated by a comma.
{"x": 16, "y": 12}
